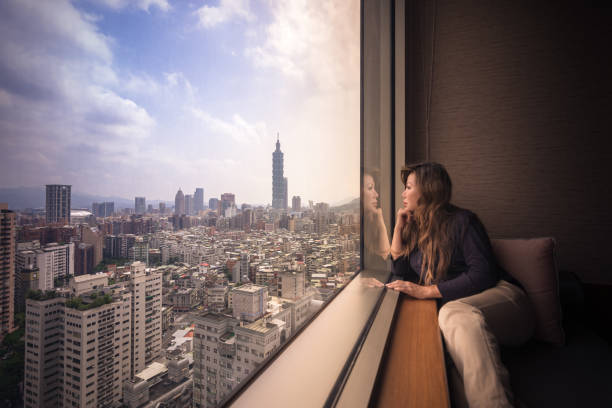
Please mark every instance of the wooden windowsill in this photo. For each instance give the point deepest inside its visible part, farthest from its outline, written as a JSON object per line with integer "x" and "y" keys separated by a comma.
{"x": 413, "y": 373}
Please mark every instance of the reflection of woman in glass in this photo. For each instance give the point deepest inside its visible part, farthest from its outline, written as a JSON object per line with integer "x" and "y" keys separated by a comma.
{"x": 442, "y": 251}
{"x": 376, "y": 241}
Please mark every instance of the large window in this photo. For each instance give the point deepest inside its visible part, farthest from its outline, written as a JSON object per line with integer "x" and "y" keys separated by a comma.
{"x": 218, "y": 143}
{"x": 318, "y": 366}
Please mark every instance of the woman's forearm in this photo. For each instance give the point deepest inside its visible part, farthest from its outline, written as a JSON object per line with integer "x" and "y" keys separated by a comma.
{"x": 396, "y": 243}
{"x": 383, "y": 240}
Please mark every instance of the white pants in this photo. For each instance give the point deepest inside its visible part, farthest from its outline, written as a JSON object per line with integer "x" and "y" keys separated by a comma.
{"x": 472, "y": 327}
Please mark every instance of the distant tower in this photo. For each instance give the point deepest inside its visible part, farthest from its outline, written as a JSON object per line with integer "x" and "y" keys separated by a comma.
{"x": 188, "y": 204}
{"x": 228, "y": 200}
{"x": 296, "y": 203}
{"x": 198, "y": 200}
{"x": 140, "y": 203}
{"x": 57, "y": 203}
{"x": 179, "y": 203}
{"x": 279, "y": 182}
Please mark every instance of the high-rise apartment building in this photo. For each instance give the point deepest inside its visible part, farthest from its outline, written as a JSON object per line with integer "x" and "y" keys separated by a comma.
{"x": 77, "y": 352}
{"x": 179, "y": 203}
{"x": 26, "y": 276}
{"x": 57, "y": 203}
{"x": 279, "y": 183}
{"x": 55, "y": 263}
{"x": 225, "y": 353}
{"x": 296, "y": 203}
{"x": 198, "y": 200}
{"x": 140, "y": 205}
{"x": 146, "y": 334}
{"x": 7, "y": 269}
{"x": 44, "y": 352}
{"x": 80, "y": 351}
{"x": 162, "y": 208}
{"x": 212, "y": 331}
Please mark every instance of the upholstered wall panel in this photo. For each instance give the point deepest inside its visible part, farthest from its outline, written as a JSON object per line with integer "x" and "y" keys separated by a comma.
{"x": 521, "y": 114}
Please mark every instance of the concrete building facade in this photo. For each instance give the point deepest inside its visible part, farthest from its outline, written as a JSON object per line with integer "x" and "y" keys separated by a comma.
{"x": 77, "y": 354}
{"x": 249, "y": 302}
{"x": 146, "y": 334}
{"x": 7, "y": 270}
{"x": 57, "y": 203}
{"x": 140, "y": 205}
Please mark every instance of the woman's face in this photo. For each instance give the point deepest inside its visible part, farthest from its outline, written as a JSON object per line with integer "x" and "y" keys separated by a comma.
{"x": 411, "y": 193}
{"x": 370, "y": 196}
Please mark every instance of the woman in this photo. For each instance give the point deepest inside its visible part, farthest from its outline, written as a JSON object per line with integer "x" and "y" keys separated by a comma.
{"x": 376, "y": 240}
{"x": 443, "y": 252}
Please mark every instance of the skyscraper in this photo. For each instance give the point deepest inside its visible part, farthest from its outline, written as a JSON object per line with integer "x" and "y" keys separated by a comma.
{"x": 279, "y": 183}
{"x": 179, "y": 203}
{"x": 57, "y": 203}
{"x": 198, "y": 200}
{"x": 140, "y": 204}
{"x": 188, "y": 204}
{"x": 213, "y": 203}
{"x": 296, "y": 203}
{"x": 228, "y": 200}
{"x": 7, "y": 269}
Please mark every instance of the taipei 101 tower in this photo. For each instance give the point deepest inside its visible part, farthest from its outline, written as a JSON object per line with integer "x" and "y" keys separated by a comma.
{"x": 279, "y": 182}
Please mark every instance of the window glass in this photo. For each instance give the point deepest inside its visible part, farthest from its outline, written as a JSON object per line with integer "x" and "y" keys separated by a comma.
{"x": 205, "y": 158}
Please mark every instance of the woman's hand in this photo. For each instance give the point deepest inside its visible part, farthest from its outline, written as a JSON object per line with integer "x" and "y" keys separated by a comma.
{"x": 414, "y": 290}
{"x": 403, "y": 217}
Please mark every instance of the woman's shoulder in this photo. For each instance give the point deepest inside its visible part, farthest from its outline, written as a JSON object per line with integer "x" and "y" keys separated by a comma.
{"x": 464, "y": 218}
{"x": 462, "y": 215}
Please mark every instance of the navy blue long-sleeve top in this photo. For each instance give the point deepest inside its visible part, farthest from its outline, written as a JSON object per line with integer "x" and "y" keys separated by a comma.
{"x": 473, "y": 267}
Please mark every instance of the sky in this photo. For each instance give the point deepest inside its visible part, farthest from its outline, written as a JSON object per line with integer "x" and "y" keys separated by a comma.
{"x": 143, "y": 97}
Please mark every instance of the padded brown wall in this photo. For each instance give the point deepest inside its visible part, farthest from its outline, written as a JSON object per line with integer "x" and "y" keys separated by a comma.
{"x": 521, "y": 116}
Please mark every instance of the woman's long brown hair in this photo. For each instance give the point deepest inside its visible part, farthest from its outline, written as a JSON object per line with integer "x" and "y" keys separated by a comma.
{"x": 431, "y": 226}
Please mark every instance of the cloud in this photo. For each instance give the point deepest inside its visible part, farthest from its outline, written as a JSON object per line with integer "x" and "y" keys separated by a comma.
{"x": 237, "y": 129}
{"x": 140, "y": 84}
{"x": 209, "y": 16}
{"x": 61, "y": 98}
{"x": 312, "y": 42}
{"x": 145, "y": 5}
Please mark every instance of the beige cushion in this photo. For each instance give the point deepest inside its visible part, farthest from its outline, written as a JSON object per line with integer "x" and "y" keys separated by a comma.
{"x": 532, "y": 262}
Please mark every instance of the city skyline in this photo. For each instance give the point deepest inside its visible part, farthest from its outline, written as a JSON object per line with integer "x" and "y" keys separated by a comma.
{"x": 139, "y": 98}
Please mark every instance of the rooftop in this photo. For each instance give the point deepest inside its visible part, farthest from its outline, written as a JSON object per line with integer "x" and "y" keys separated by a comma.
{"x": 153, "y": 370}
{"x": 86, "y": 278}
{"x": 250, "y": 288}
{"x": 259, "y": 326}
